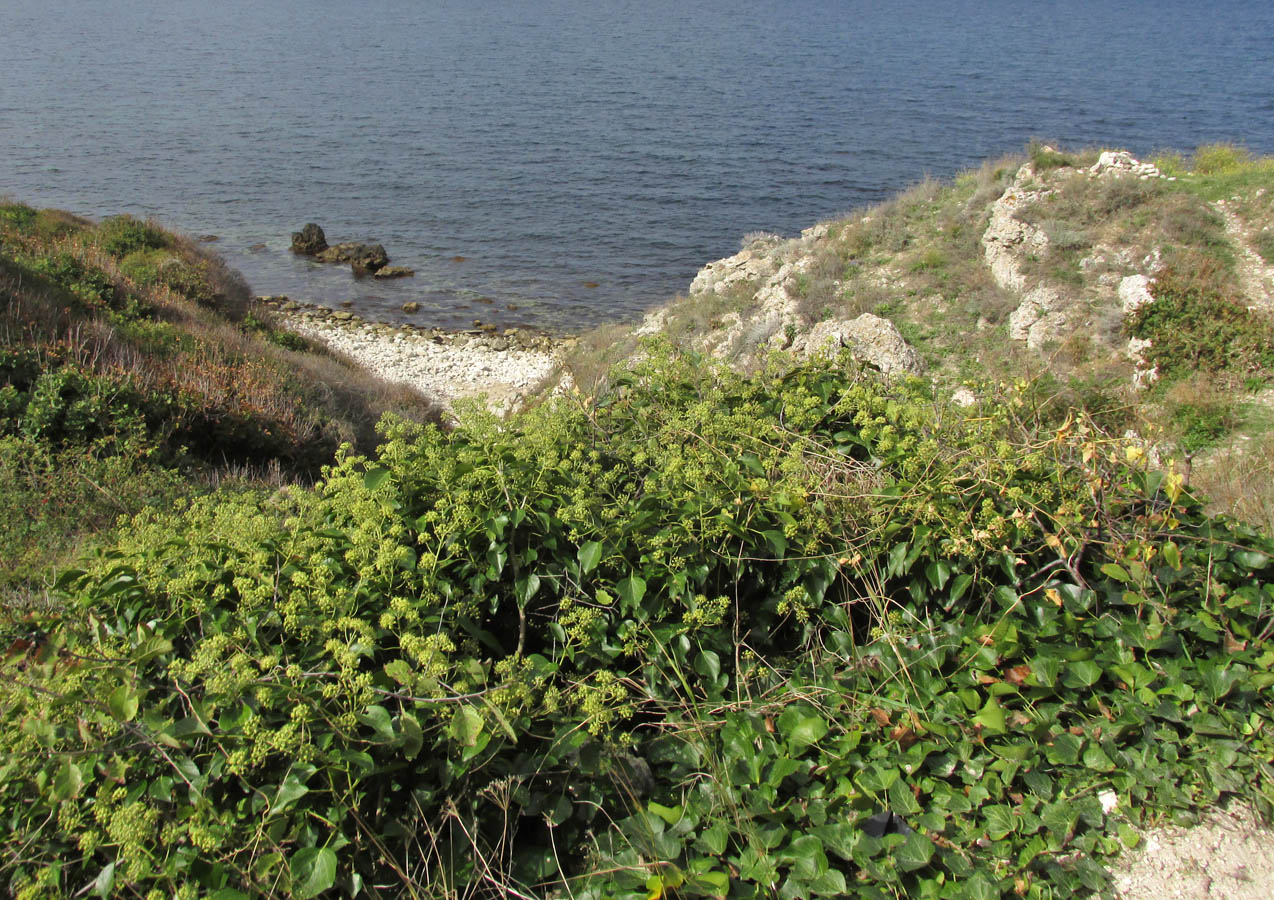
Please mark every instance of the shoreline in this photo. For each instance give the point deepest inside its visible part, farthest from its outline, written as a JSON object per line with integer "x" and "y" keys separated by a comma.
{"x": 446, "y": 366}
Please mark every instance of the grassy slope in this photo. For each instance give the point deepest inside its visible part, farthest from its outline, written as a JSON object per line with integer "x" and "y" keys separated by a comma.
{"x": 133, "y": 371}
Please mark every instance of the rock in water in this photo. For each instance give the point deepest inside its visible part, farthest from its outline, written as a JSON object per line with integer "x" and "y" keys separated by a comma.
{"x": 369, "y": 259}
{"x": 309, "y": 241}
{"x": 363, "y": 258}
{"x": 394, "y": 272}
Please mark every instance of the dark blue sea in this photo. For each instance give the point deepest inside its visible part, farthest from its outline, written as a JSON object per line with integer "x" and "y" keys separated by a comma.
{"x": 562, "y": 144}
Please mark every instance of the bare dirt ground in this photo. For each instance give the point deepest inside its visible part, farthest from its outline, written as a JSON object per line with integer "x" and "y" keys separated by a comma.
{"x": 1227, "y": 856}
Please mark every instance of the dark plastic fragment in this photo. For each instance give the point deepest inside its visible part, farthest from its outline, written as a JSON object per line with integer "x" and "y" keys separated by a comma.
{"x": 885, "y": 822}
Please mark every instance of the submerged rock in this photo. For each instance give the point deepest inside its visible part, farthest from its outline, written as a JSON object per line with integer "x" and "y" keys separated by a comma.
{"x": 393, "y": 272}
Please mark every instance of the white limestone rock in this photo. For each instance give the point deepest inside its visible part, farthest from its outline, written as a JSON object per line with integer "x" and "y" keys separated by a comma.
{"x": 1134, "y": 293}
{"x": 1040, "y": 318}
{"x": 870, "y": 338}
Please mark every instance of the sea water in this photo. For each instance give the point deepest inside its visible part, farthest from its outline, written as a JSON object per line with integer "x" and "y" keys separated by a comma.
{"x": 569, "y": 162}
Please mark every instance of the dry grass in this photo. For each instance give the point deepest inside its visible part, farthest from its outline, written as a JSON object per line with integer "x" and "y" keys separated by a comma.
{"x": 1238, "y": 480}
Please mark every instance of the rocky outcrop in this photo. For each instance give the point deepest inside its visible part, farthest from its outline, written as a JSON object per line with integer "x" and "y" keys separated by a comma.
{"x": 869, "y": 338}
{"x": 1040, "y": 317}
{"x": 1120, "y": 162}
{"x": 1042, "y": 314}
{"x": 1007, "y": 239}
{"x": 1134, "y": 293}
{"x": 751, "y": 265}
{"x": 309, "y": 241}
{"x": 363, "y": 258}
{"x": 1047, "y": 312}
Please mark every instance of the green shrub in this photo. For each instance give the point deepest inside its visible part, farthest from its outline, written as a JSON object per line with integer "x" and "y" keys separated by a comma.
{"x": 89, "y": 285}
{"x": 68, "y": 406}
{"x": 686, "y": 641}
{"x": 51, "y": 224}
{"x": 18, "y": 216}
{"x": 1202, "y": 424}
{"x": 1045, "y": 158}
{"x": 1194, "y": 328}
{"x": 122, "y": 235}
{"x": 1170, "y": 163}
{"x": 53, "y": 501}
{"x": 1220, "y": 159}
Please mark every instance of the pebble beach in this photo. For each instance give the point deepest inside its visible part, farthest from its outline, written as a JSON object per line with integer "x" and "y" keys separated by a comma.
{"x": 446, "y": 366}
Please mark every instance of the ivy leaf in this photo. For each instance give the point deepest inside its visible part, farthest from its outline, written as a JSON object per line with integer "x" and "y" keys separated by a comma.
{"x": 104, "y": 883}
{"x": 313, "y": 871}
{"x": 708, "y": 664}
{"x": 378, "y": 717}
{"x": 413, "y": 738}
{"x": 714, "y": 884}
{"x": 959, "y": 586}
{"x": 897, "y": 560}
{"x": 806, "y": 857}
{"x": 589, "y": 555}
{"x": 399, "y": 670}
{"x": 826, "y": 884}
{"x": 1096, "y": 759}
{"x": 902, "y": 800}
{"x": 289, "y": 792}
{"x": 914, "y": 853}
{"x": 122, "y": 703}
{"x": 991, "y": 718}
{"x": 713, "y": 838}
{"x": 1000, "y": 822}
{"x": 527, "y": 587}
{"x": 801, "y": 729}
{"x": 68, "y": 782}
{"x": 1082, "y": 673}
{"x": 375, "y": 477}
{"x": 978, "y": 887}
{"x": 466, "y": 726}
{"x": 631, "y": 590}
{"x": 1065, "y": 750}
{"x": 670, "y": 814}
{"x": 840, "y": 839}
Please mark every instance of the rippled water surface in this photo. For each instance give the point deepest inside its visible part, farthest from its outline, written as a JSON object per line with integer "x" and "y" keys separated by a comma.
{"x": 584, "y": 157}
